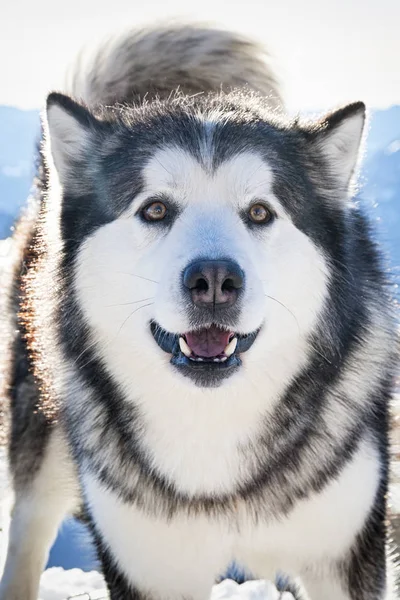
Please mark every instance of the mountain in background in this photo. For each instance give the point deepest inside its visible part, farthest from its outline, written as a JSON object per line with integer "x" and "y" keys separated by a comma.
{"x": 19, "y": 131}
{"x": 379, "y": 194}
{"x": 380, "y": 191}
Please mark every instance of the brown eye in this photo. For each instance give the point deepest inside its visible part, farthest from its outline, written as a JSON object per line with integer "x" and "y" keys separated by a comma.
{"x": 155, "y": 211}
{"x": 259, "y": 213}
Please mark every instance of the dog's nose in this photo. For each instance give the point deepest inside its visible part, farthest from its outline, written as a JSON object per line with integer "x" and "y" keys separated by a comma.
{"x": 213, "y": 283}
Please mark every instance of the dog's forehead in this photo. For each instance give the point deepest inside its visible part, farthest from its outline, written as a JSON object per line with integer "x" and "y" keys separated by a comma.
{"x": 177, "y": 171}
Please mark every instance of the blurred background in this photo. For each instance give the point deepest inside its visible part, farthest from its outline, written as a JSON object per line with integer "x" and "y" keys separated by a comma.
{"x": 325, "y": 53}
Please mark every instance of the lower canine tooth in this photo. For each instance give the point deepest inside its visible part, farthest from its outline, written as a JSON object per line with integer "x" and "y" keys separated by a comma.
{"x": 184, "y": 347}
{"x": 231, "y": 347}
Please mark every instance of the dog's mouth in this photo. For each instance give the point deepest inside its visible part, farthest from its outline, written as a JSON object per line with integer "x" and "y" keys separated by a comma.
{"x": 211, "y": 344}
{"x": 210, "y": 349}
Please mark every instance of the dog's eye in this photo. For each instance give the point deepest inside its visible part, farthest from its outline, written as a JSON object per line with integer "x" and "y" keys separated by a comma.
{"x": 258, "y": 213}
{"x": 155, "y": 211}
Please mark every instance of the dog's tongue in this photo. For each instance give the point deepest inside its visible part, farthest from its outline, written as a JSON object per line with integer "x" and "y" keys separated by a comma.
{"x": 208, "y": 342}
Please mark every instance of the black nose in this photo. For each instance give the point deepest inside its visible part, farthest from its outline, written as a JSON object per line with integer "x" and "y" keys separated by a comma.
{"x": 213, "y": 283}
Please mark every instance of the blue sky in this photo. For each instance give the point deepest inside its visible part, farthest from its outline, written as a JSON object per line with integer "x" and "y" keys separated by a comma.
{"x": 325, "y": 53}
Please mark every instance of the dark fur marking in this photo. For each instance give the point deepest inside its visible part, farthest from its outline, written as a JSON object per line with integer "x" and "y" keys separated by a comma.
{"x": 118, "y": 586}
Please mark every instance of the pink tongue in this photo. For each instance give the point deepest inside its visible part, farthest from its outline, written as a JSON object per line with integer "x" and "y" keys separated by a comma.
{"x": 208, "y": 342}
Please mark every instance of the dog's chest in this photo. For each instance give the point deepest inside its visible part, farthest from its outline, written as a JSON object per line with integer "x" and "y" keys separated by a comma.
{"x": 184, "y": 555}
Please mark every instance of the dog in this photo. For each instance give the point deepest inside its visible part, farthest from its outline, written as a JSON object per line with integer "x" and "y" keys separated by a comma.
{"x": 203, "y": 341}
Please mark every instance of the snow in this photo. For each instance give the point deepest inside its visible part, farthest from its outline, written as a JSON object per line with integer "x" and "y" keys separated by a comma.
{"x": 250, "y": 590}
{"x": 57, "y": 584}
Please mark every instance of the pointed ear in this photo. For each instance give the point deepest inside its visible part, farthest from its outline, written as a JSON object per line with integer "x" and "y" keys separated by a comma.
{"x": 72, "y": 130}
{"x": 338, "y": 137}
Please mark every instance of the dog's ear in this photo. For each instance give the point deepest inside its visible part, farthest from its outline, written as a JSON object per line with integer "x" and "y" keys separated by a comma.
{"x": 338, "y": 137}
{"x": 72, "y": 130}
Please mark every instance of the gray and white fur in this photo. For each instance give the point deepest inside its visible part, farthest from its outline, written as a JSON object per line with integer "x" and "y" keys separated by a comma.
{"x": 202, "y": 336}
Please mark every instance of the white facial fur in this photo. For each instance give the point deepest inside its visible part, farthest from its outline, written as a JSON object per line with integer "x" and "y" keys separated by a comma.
{"x": 277, "y": 261}
{"x": 129, "y": 273}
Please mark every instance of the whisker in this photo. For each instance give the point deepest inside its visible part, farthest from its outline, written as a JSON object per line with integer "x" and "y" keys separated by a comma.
{"x": 161, "y": 165}
{"x": 286, "y": 308}
{"x": 129, "y": 316}
{"x": 128, "y": 303}
{"x": 298, "y": 328}
{"x": 138, "y": 276}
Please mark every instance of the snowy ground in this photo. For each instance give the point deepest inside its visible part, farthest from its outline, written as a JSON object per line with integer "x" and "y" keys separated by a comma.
{"x": 57, "y": 584}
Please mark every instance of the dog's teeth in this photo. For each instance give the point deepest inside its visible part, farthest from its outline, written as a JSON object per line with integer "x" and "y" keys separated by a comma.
{"x": 184, "y": 347}
{"x": 231, "y": 347}
{"x": 224, "y": 358}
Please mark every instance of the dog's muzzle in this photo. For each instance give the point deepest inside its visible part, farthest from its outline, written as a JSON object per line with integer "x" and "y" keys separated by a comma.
{"x": 211, "y": 350}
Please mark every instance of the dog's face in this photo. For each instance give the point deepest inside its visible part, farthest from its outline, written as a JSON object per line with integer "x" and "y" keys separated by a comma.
{"x": 204, "y": 245}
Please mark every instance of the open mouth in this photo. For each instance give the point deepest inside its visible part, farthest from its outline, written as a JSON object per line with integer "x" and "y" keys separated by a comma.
{"x": 210, "y": 350}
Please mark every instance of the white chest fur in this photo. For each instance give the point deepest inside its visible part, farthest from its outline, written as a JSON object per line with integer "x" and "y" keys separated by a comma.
{"x": 183, "y": 556}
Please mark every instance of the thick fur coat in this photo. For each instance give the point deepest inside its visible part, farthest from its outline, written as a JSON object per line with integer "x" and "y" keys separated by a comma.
{"x": 205, "y": 347}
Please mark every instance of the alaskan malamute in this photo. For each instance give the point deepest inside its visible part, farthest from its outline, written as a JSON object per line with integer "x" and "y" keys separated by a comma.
{"x": 204, "y": 351}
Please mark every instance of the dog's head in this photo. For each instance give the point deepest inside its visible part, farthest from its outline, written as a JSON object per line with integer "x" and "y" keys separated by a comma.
{"x": 202, "y": 232}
